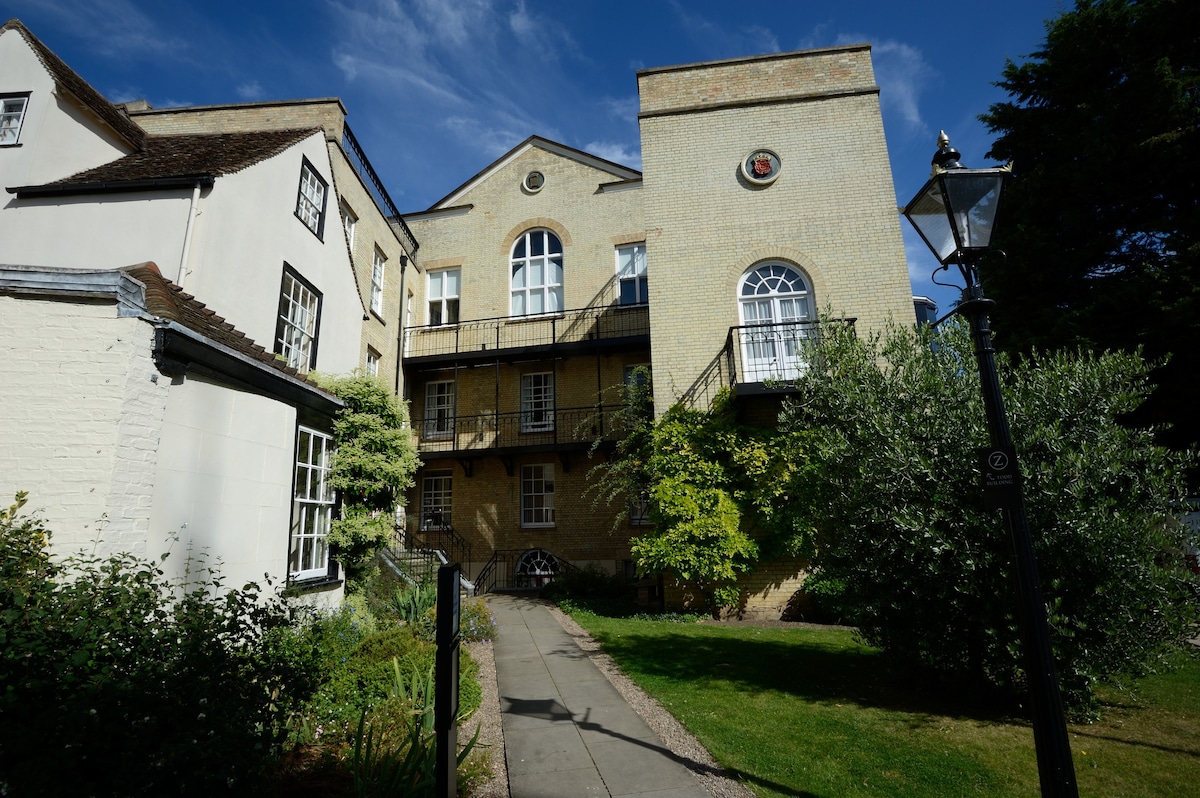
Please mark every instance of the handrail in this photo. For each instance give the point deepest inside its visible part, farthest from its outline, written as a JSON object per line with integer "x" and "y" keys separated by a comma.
{"x": 358, "y": 159}
{"x": 459, "y": 548}
{"x": 756, "y": 353}
{"x": 518, "y": 428}
{"x": 500, "y": 572}
{"x": 579, "y": 326}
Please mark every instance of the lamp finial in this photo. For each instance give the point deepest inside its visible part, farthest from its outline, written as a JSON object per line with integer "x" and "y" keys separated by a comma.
{"x": 946, "y": 157}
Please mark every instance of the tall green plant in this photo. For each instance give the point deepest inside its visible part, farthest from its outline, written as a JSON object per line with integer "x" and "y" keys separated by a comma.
{"x": 382, "y": 766}
{"x": 898, "y": 422}
{"x": 374, "y": 463}
{"x": 718, "y": 492}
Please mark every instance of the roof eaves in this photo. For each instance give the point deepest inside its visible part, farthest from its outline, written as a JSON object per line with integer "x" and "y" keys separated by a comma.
{"x": 70, "y": 81}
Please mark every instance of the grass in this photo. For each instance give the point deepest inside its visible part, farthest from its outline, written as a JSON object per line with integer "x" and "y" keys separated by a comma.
{"x": 810, "y": 712}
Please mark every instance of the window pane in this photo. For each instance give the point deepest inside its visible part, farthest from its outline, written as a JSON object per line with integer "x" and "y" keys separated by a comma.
{"x": 628, "y": 292}
{"x": 452, "y": 282}
{"x": 435, "y": 285}
{"x": 452, "y": 311}
{"x": 537, "y": 243}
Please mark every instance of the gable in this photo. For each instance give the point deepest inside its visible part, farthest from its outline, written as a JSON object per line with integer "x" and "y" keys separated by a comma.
{"x": 605, "y": 171}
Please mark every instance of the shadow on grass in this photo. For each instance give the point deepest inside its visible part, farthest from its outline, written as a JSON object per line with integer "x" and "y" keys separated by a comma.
{"x": 553, "y": 711}
{"x": 796, "y": 662}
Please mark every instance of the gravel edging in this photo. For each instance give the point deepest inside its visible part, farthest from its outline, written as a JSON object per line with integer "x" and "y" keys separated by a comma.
{"x": 491, "y": 730}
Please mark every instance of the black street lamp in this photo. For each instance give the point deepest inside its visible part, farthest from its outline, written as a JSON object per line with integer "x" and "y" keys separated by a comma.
{"x": 955, "y": 213}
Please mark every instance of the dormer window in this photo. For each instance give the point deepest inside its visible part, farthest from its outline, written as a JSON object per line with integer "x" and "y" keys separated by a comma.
{"x": 12, "y": 116}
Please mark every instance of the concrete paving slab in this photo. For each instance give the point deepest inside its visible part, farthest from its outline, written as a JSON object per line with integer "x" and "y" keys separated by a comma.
{"x": 547, "y": 751}
{"x": 567, "y": 731}
{"x": 564, "y": 784}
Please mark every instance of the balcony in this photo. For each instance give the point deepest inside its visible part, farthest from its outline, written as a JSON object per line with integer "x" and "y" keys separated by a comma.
{"x": 757, "y": 358}
{"x": 572, "y": 331}
{"x": 506, "y": 433}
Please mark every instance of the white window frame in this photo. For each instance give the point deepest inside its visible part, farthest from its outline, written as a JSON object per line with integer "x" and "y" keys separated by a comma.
{"x": 631, "y": 271}
{"x": 298, "y": 321}
{"x": 775, "y": 303}
{"x": 349, "y": 221}
{"x": 444, "y": 289}
{"x": 537, "y": 495}
{"x": 378, "y": 265}
{"x": 12, "y": 118}
{"x": 372, "y": 362}
{"x": 437, "y": 499}
{"x": 439, "y": 410}
{"x": 537, "y": 402}
{"x": 312, "y": 508}
{"x": 311, "y": 198}
{"x": 536, "y": 280}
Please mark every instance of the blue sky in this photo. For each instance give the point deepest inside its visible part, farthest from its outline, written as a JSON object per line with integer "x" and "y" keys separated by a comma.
{"x": 437, "y": 89}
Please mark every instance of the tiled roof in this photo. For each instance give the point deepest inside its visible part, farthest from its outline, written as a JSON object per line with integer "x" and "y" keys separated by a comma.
{"x": 169, "y": 301}
{"x": 197, "y": 155}
{"x": 65, "y": 77}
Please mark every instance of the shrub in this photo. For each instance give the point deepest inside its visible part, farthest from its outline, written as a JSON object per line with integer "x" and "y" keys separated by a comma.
{"x": 925, "y": 565}
{"x": 115, "y": 682}
{"x": 476, "y": 622}
{"x": 364, "y": 680}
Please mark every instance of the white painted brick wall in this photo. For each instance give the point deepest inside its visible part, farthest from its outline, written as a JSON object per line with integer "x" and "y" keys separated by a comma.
{"x": 81, "y": 418}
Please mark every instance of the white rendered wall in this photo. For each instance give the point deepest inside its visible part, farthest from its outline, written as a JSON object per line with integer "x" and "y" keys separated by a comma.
{"x": 223, "y": 493}
{"x": 81, "y": 419}
{"x": 58, "y": 137}
{"x": 247, "y": 229}
{"x": 90, "y": 232}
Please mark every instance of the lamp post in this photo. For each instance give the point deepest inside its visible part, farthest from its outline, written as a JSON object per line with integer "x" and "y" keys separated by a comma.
{"x": 955, "y": 213}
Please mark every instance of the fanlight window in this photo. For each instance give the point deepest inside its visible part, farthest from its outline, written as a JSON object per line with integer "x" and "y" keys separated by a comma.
{"x": 776, "y": 311}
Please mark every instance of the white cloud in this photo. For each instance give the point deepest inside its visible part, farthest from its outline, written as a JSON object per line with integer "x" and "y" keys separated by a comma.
{"x": 720, "y": 40}
{"x": 902, "y": 74}
{"x": 617, "y": 153}
{"x": 113, "y": 28}
{"x": 250, "y": 90}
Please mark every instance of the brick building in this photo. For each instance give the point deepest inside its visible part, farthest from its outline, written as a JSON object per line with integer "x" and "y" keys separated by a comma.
{"x": 271, "y": 215}
{"x": 765, "y": 197}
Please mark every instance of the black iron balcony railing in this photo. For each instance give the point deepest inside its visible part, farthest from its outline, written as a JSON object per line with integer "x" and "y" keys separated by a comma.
{"x": 769, "y": 354}
{"x": 570, "y": 327}
{"x": 358, "y": 159}
{"x": 542, "y": 427}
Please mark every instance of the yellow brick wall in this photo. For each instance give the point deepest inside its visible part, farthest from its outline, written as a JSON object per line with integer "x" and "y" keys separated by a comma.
{"x": 831, "y": 213}
{"x": 765, "y": 592}
{"x": 589, "y": 222}
{"x": 327, "y": 113}
{"x": 486, "y": 510}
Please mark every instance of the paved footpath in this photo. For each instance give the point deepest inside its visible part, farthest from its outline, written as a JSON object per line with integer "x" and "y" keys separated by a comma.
{"x": 567, "y": 731}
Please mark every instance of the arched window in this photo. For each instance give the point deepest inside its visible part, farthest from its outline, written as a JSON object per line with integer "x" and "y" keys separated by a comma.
{"x": 776, "y": 310}
{"x": 536, "y": 568}
{"x": 537, "y": 273}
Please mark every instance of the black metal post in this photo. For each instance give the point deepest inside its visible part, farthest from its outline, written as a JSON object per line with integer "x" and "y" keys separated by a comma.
{"x": 1055, "y": 766}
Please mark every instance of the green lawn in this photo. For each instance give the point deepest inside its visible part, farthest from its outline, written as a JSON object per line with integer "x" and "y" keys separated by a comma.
{"x": 809, "y": 712}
